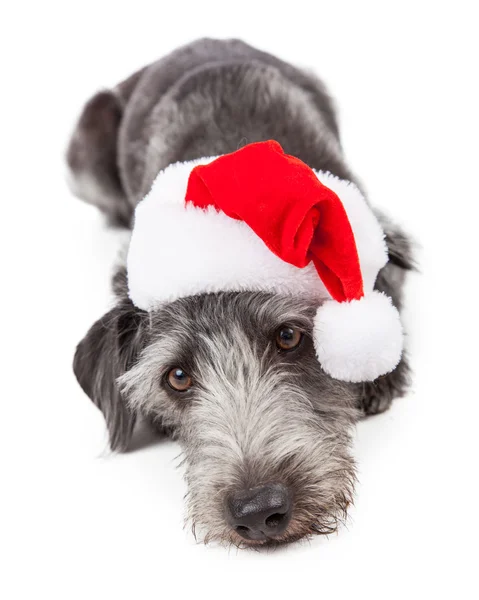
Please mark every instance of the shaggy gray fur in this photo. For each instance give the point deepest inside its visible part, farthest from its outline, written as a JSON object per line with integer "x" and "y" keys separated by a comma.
{"x": 254, "y": 415}
{"x": 205, "y": 99}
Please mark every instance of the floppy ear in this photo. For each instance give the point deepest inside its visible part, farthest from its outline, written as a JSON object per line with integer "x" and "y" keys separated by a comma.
{"x": 109, "y": 348}
{"x": 400, "y": 247}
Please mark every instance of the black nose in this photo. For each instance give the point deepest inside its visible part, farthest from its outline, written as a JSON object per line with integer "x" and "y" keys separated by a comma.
{"x": 261, "y": 512}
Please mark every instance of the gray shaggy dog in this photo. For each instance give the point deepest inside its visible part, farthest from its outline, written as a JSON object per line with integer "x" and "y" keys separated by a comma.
{"x": 266, "y": 434}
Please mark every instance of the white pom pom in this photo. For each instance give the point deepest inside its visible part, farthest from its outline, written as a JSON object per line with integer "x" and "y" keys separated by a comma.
{"x": 359, "y": 340}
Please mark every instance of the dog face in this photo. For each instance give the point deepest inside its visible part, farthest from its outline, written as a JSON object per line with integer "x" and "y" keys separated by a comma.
{"x": 234, "y": 376}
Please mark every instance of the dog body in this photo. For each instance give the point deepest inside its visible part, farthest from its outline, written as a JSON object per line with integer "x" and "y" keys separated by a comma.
{"x": 259, "y": 426}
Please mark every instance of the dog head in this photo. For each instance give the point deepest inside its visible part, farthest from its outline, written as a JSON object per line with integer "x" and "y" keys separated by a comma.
{"x": 248, "y": 312}
{"x": 234, "y": 376}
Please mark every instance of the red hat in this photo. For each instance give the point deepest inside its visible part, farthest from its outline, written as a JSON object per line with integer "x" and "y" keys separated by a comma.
{"x": 259, "y": 219}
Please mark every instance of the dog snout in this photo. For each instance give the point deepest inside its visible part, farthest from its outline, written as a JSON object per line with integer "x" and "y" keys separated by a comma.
{"x": 261, "y": 512}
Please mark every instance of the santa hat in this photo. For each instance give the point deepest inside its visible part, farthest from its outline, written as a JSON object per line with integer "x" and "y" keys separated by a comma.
{"x": 259, "y": 219}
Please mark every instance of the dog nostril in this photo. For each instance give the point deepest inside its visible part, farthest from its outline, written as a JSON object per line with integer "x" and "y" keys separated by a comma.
{"x": 242, "y": 529}
{"x": 274, "y": 520}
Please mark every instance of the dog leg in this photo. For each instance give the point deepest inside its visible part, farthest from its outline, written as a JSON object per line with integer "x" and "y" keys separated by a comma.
{"x": 377, "y": 396}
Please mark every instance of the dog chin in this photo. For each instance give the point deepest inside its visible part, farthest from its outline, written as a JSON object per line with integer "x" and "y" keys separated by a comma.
{"x": 290, "y": 536}
{"x": 298, "y": 530}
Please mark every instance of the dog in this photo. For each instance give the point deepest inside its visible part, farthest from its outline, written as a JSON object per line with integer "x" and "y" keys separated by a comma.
{"x": 265, "y": 431}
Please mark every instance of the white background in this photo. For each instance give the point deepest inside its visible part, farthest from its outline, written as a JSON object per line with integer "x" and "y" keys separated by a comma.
{"x": 77, "y": 522}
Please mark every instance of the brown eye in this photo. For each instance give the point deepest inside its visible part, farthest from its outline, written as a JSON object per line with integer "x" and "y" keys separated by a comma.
{"x": 179, "y": 380}
{"x": 288, "y": 338}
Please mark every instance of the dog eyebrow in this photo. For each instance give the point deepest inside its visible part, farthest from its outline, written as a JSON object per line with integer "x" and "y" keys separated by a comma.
{"x": 295, "y": 320}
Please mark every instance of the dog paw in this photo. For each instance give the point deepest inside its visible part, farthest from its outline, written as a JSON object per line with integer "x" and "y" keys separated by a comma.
{"x": 377, "y": 396}
{"x": 374, "y": 400}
